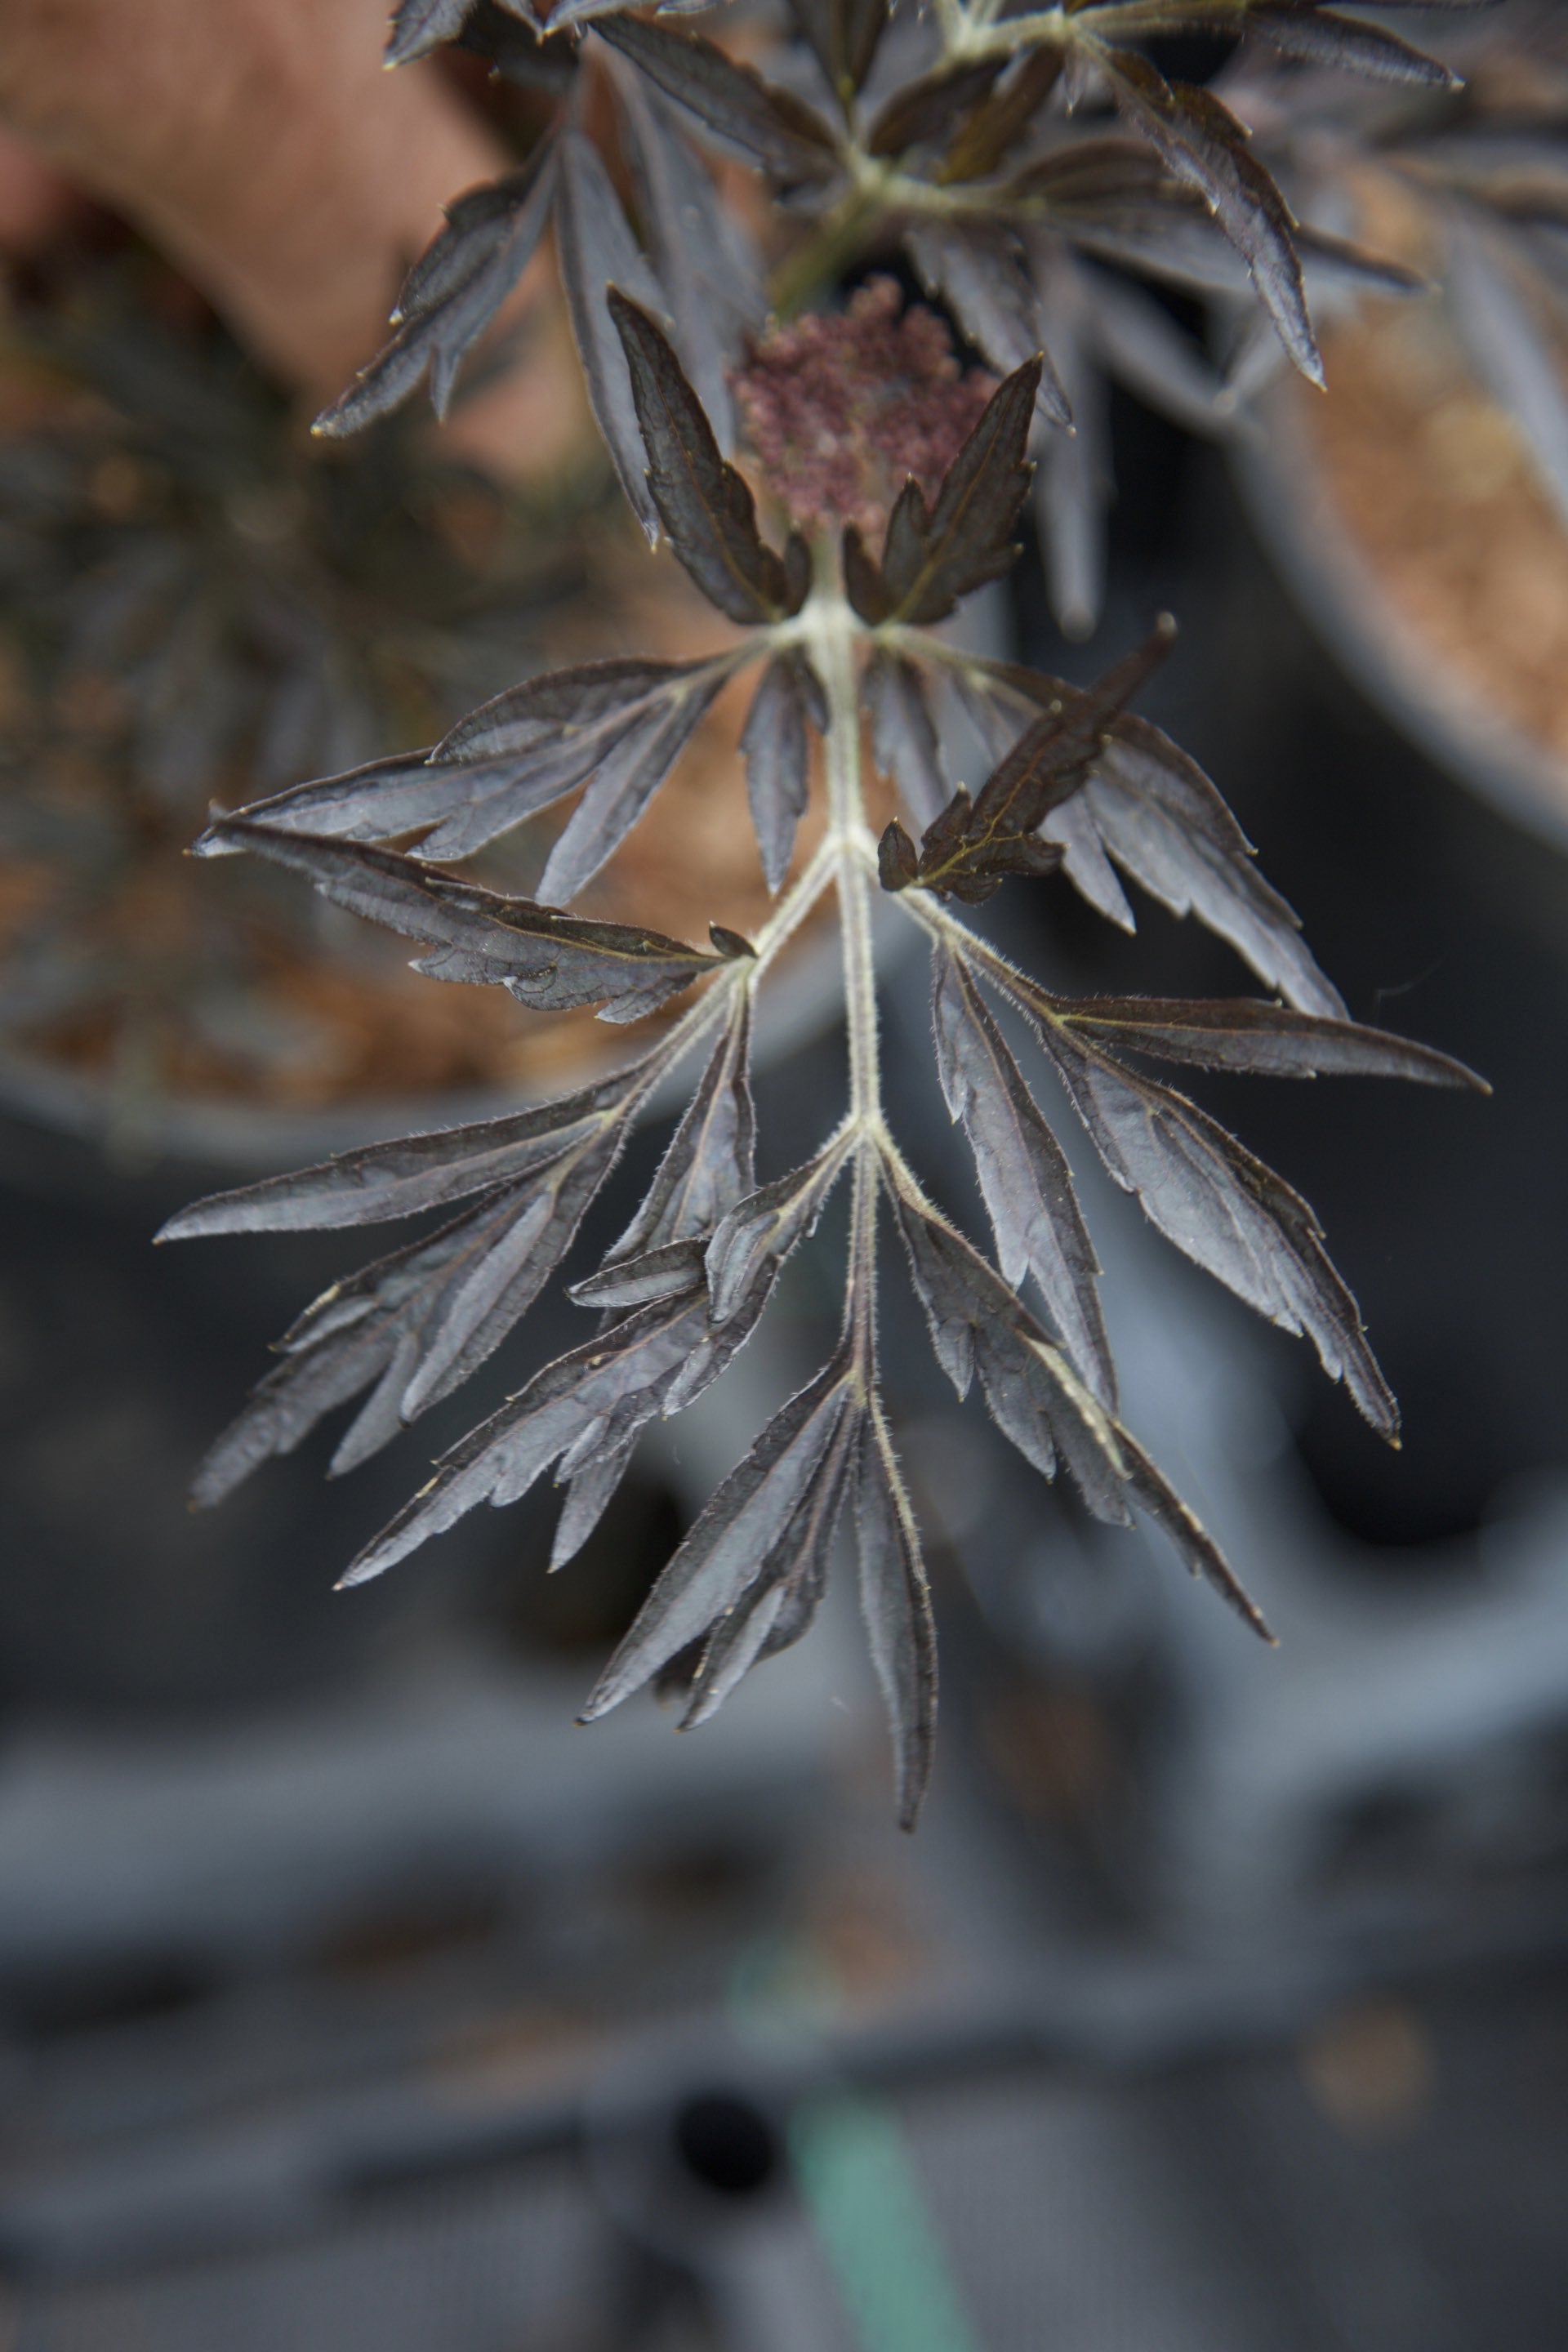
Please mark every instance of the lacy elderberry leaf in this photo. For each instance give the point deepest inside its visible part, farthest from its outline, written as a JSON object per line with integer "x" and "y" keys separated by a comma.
{"x": 1024, "y": 1174}
{"x": 845, "y": 34}
{"x": 777, "y": 751}
{"x": 739, "y": 112}
{"x": 1321, "y": 37}
{"x": 710, "y": 273}
{"x": 452, "y": 295}
{"x": 924, "y": 112}
{"x": 548, "y": 960}
{"x": 597, "y": 250}
{"x": 507, "y": 36}
{"x": 513, "y": 756}
{"x": 758, "y": 1232}
{"x": 933, "y": 556}
{"x": 1074, "y": 483}
{"x": 1268, "y": 1040}
{"x": 895, "y": 1603}
{"x": 381, "y": 1182}
{"x": 710, "y": 1163}
{"x": 904, "y": 742}
{"x": 1153, "y": 809}
{"x": 705, "y": 505}
{"x": 597, "y": 1396}
{"x": 763, "y": 1520}
{"x": 977, "y": 269}
{"x": 1223, "y": 1209}
{"x": 863, "y": 578}
{"x": 624, "y": 782}
{"x": 783, "y": 1598}
{"x": 1002, "y": 118}
{"x": 419, "y": 25}
{"x": 1137, "y": 343}
{"x": 658, "y": 1272}
{"x": 1034, "y": 1396}
{"x": 1200, "y": 140}
{"x": 416, "y": 1323}
{"x": 972, "y": 846}
{"x": 584, "y": 1410}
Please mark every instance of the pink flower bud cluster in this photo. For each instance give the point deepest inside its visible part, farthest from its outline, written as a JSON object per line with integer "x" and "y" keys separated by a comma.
{"x": 839, "y": 410}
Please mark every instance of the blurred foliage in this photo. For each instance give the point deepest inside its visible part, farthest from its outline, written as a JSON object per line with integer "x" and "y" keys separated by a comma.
{"x": 196, "y": 604}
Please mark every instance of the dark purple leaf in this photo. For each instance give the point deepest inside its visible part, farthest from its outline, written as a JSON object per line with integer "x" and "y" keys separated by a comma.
{"x": 973, "y": 845}
{"x": 420, "y": 25}
{"x": 1036, "y": 1398}
{"x": 596, "y": 251}
{"x": 513, "y": 756}
{"x": 705, "y": 505}
{"x": 506, "y": 34}
{"x": 923, "y": 112}
{"x": 710, "y": 273}
{"x": 863, "y": 582}
{"x": 1511, "y": 346}
{"x": 548, "y": 960}
{"x": 777, "y": 755}
{"x": 398, "y": 1179}
{"x": 903, "y": 735}
{"x": 760, "y": 1232}
{"x": 1302, "y": 28}
{"x": 588, "y": 1494}
{"x": 1024, "y": 1175}
{"x": 932, "y": 558}
{"x": 1223, "y": 1209}
{"x": 606, "y": 1386}
{"x": 417, "y": 1323}
{"x": 895, "y": 1602}
{"x": 746, "y": 115}
{"x": 710, "y": 1163}
{"x": 1073, "y": 486}
{"x": 1138, "y": 343}
{"x": 1003, "y": 117}
{"x": 633, "y": 1281}
{"x": 1152, "y": 808}
{"x": 1200, "y": 140}
{"x": 783, "y": 1598}
{"x": 1269, "y": 1040}
{"x": 624, "y": 782}
{"x": 746, "y": 1526}
{"x": 978, "y": 268}
{"x": 844, "y": 35}
{"x": 453, "y": 294}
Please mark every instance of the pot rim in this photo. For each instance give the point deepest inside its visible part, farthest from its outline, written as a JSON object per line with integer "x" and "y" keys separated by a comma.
{"x": 1340, "y": 595}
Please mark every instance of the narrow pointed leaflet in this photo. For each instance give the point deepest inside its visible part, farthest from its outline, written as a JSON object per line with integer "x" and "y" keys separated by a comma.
{"x": 548, "y": 960}
{"x": 972, "y": 846}
{"x": 704, "y": 505}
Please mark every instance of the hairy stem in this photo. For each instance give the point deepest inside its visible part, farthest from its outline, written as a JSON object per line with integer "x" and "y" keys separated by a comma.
{"x": 938, "y": 922}
{"x": 832, "y": 634}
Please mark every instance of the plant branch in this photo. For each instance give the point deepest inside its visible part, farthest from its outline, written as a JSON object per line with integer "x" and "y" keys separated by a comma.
{"x": 832, "y": 632}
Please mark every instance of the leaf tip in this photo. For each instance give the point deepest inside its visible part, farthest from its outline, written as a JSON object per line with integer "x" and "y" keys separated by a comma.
{"x": 732, "y": 945}
{"x": 898, "y": 862}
